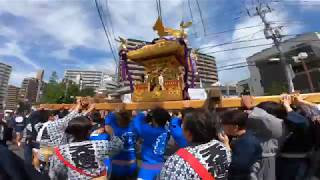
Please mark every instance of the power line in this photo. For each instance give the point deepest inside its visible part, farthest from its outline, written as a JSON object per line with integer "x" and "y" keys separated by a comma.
{"x": 231, "y": 42}
{"x": 191, "y": 15}
{"x": 241, "y": 63}
{"x": 105, "y": 31}
{"x": 249, "y": 35}
{"x": 253, "y": 46}
{"x": 201, "y": 17}
{"x": 157, "y": 5}
{"x": 110, "y": 18}
{"x": 244, "y": 47}
{"x": 113, "y": 37}
{"x": 318, "y": 40}
{"x": 248, "y": 40}
{"x": 298, "y": 3}
{"x": 183, "y": 9}
{"x": 235, "y": 58}
{"x": 274, "y": 33}
{"x": 236, "y": 67}
{"x": 159, "y": 8}
{"x": 109, "y": 24}
{"x": 235, "y": 29}
{"x": 226, "y": 11}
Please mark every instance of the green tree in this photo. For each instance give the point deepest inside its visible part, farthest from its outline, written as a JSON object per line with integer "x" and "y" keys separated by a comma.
{"x": 53, "y": 92}
{"x": 63, "y": 92}
{"x": 88, "y": 91}
{"x": 54, "y": 77}
{"x": 71, "y": 92}
{"x": 23, "y": 107}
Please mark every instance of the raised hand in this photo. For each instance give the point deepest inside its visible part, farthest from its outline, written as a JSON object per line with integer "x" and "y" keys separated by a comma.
{"x": 225, "y": 140}
{"x": 90, "y": 109}
{"x": 78, "y": 105}
{"x": 286, "y": 100}
{"x": 247, "y": 102}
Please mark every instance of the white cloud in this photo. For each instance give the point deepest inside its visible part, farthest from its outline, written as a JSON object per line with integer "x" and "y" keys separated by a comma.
{"x": 135, "y": 19}
{"x": 5, "y": 31}
{"x": 100, "y": 64}
{"x": 13, "y": 49}
{"x": 76, "y": 23}
{"x": 70, "y": 24}
{"x": 61, "y": 54}
{"x": 62, "y": 20}
{"x": 105, "y": 64}
{"x": 17, "y": 76}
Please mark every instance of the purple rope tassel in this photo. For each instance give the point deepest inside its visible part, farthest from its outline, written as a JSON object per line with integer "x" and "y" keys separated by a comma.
{"x": 124, "y": 68}
{"x": 186, "y": 69}
{"x": 192, "y": 71}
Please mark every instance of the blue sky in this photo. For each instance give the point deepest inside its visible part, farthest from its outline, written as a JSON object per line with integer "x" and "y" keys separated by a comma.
{"x": 55, "y": 35}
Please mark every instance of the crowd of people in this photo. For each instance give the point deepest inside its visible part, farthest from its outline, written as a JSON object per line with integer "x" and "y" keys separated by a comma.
{"x": 270, "y": 141}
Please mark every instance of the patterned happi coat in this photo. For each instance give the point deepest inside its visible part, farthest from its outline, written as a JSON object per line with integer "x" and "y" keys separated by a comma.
{"x": 88, "y": 156}
{"x": 213, "y": 156}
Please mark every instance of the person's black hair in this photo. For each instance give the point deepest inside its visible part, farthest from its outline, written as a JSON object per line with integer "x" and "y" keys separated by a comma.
{"x": 79, "y": 128}
{"x": 186, "y": 111}
{"x": 202, "y": 124}
{"x": 275, "y": 109}
{"x": 149, "y": 117}
{"x": 124, "y": 117}
{"x": 19, "y": 113}
{"x": 53, "y": 112}
{"x": 42, "y": 115}
{"x": 63, "y": 113}
{"x": 96, "y": 117}
{"x": 160, "y": 116}
{"x": 234, "y": 117}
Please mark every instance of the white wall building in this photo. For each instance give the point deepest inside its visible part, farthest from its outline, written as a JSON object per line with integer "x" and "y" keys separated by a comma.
{"x": 108, "y": 84}
{"x": 85, "y": 78}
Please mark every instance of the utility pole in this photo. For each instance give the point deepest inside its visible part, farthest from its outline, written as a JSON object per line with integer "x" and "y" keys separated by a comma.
{"x": 274, "y": 34}
{"x": 66, "y": 90}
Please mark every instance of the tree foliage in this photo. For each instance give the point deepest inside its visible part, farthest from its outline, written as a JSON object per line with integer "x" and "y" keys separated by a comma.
{"x": 88, "y": 91}
{"x": 53, "y": 92}
{"x": 63, "y": 92}
{"x": 53, "y": 78}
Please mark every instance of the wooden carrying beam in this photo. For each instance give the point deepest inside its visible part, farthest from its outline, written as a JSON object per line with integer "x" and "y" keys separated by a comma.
{"x": 224, "y": 103}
